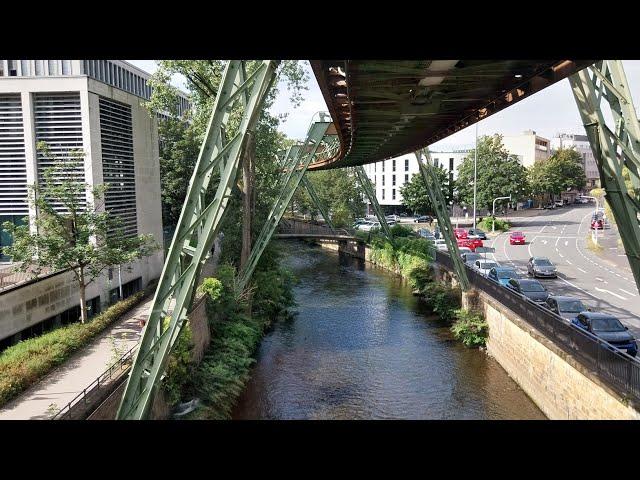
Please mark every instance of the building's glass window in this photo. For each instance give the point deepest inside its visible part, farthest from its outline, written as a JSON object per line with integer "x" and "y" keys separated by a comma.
{"x": 53, "y": 67}
{"x": 393, "y": 165}
{"x": 383, "y": 180}
{"x": 406, "y": 178}
{"x": 393, "y": 179}
{"x": 374, "y": 167}
{"x": 406, "y": 164}
{"x": 435, "y": 162}
{"x": 383, "y": 192}
{"x": 393, "y": 194}
{"x": 39, "y": 67}
{"x": 451, "y": 164}
{"x": 26, "y": 70}
{"x": 13, "y": 68}
{"x": 383, "y": 166}
{"x": 66, "y": 67}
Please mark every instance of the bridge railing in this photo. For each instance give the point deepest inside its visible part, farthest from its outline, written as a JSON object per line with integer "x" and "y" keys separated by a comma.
{"x": 96, "y": 392}
{"x": 615, "y": 368}
{"x": 297, "y": 227}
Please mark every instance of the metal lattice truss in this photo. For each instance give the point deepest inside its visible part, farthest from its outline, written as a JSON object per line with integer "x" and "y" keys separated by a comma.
{"x": 613, "y": 147}
{"x": 197, "y": 228}
{"x": 440, "y": 206}
{"x": 319, "y": 145}
{"x": 370, "y": 191}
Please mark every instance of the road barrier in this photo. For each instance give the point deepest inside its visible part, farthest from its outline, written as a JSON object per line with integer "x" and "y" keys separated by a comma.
{"x": 615, "y": 368}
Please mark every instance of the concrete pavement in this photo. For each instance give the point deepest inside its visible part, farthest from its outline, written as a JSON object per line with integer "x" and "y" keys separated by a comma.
{"x": 59, "y": 387}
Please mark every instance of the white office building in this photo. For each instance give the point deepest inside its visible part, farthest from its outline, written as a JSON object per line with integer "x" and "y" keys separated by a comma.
{"x": 94, "y": 106}
{"x": 528, "y": 147}
{"x": 581, "y": 144}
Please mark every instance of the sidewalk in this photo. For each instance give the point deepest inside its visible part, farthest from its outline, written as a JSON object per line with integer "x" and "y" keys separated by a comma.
{"x": 60, "y": 386}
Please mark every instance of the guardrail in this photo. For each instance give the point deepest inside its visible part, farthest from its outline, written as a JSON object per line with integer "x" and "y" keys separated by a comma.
{"x": 614, "y": 367}
{"x": 296, "y": 227}
{"x": 95, "y": 392}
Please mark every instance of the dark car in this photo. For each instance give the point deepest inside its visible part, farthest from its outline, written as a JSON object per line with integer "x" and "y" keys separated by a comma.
{"x": 476, "y": 232}
{"x": 532, "y": 289}
{"x": 502, "y": 275}
{"x": 566, "y": 307}
{"x": 424, "y": 219}
{"x": 541, "y": 267}
{"x": 470, "y": 257}
{"x": 609, "y": 329}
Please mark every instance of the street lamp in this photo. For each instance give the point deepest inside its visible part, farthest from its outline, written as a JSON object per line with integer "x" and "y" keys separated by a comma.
{"x": 597, "y": 210}
{"x": 493, "y": 214}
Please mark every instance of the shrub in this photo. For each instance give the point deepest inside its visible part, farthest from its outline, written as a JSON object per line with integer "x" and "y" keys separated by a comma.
{"x": 401, "y": 231}
{"x": 442, "y": 299}
{"x": 470, "y": 327}
{"x": 487, "y": 224}
{"x": 180, "y": 366}
{"x": 25, "y": 363}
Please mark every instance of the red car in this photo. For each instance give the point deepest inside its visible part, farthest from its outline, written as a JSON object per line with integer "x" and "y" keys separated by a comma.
{"x": 597, "y": 224}
{"x": 516, "y": 238}
{"x": 460, "y": 233}
{"x": 470, "y": 243}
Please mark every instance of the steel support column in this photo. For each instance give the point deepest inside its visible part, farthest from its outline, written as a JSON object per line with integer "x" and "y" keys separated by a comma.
{"x": 197, "y": 228}
{"x": 295, "y": 170}
{"x": 316, "y": 199}
{"x": 440, "y": 206}
{"x": 613, "y": 148}
{"x": 369, "y": 189}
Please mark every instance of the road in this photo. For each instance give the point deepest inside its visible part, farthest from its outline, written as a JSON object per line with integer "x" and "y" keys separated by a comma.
{"x": 603, "y": 282}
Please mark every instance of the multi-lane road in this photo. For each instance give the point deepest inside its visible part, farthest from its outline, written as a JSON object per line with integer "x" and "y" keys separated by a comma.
{"x": 604, "y": 283}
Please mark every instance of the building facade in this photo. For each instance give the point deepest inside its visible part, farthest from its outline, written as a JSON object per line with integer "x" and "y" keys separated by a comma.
{"x": 528, "y": 147}
{"x": 389, "y": 176}
{"x": 93, "y": 107}
{"x": 581, "y": 144}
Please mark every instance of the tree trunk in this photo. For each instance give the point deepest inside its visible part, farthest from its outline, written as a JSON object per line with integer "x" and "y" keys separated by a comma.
{"x": 83, "y": 301}
{"x": 248, "y": 173}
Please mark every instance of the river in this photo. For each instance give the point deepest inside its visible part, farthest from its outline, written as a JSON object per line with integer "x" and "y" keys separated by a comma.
{"x": 363, "y": 347}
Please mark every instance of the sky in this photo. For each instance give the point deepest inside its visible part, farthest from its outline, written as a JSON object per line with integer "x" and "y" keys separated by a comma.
{"x": 547, "y": 112}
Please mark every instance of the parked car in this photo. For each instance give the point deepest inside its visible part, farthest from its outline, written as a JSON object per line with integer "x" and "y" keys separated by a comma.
{"x": 581, "y": 200}
{"x": 503, "y": 274}
{"x": 367, "y": 227}
{"x": 549, "y": 206}
{"x": 424, "y": 219}
{"x": 359, "y": 221}
{"x": 424, "y": 233}
{"x": 517, "y": 238}
{"x": 394, "y": 218}
{"x": 532, "y": 289}
{"x": 559, "y": 203}
{"x": 477, "y": 233}
{"x": 391, "y": 223}
{"x": 609, "y": 329}
{"x": 464, "y": 250}
{"x": 441, "y": 244}
{"x": 541, "y": 267}
{"x": 566, "y": 307}
{"x": 471, "y": 243}
{"x": 470, "y": 257}
{"x": 485, "y": 266}
{"x": 460, "y": 233}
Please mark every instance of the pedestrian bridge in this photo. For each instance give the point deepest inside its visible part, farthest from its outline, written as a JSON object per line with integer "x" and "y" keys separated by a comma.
{"x": 295, "y": 228}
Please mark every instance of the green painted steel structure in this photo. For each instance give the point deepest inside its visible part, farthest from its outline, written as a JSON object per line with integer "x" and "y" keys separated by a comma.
{"x": 614, "y": 148}
{"x": 198, "y": 225}
{"x": 370, "y": 191}
{"x": 318, "y": 203}
{"x": 434, "y": 187}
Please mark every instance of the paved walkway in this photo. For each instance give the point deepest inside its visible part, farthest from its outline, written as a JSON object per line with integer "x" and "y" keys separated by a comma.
{"x": 60, "y": 386}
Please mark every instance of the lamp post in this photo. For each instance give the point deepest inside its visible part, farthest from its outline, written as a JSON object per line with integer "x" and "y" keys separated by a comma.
{"x": 597, "y": 210}
{"x": 475, "y": 179}
{"x": 493, "y": 212}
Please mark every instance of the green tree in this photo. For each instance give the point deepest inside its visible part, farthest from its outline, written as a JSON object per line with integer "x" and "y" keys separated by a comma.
{"x": 499, "y": 174}
{"x": 564, "y": 171}
{"x": 415, "y": 195}
{"x": 71, "y": 232}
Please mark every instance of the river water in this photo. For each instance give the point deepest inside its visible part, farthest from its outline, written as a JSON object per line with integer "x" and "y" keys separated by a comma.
{"x": 363, "y": 347}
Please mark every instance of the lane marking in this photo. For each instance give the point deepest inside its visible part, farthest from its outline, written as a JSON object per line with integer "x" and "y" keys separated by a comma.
{"x": 561, "y": 255}
{"x": 566, "y": 243}
{"x": 628, "y": 293}
{"x": 569, "y": 262}
{"x": 610, "y": 292}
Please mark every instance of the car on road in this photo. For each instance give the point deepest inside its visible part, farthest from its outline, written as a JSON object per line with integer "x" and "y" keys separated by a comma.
{"x": 471, "y": 243}
{"x": 367, "y": 227}
{"x": 566, "y": 307}
{"x": 424, "y": 219}
{"x": 597, "y": 222}
{"x": 502, "y": 275}
{"x": 477, "y": 233}
{"x": 424, "y": 233}
{"x": 464, "y": 250}
{"x": 608, "y": 328}
{"x": 470, "y": 257}
{"x": 532, "y": 289}
{"x": 394, "y": 218}
{"x": 441, "y": 244}
{"x": 517, "y": 238}
{"x": 550, "y": 206}
{"x": 559, "y": 203}
{"x": 359, "y": 221}
{"x": 460, "y": 233}
{"x": 541, "y": 267}
{"x": 485, "y": 266}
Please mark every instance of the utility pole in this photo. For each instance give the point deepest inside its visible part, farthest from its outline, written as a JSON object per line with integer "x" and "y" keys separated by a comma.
{"x": 475, "y": 178}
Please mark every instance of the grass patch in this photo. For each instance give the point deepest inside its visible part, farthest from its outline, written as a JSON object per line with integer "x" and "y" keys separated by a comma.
{"x": 593, "y": 246}
{"x": 26, "y": 362}
{"x": 487, "y": 223}
{"x": 470, "y": 327}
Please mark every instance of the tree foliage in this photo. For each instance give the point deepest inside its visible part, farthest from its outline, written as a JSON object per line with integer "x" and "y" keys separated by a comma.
{"x": 499, "y": 174}
{"x": 415, "y": 195}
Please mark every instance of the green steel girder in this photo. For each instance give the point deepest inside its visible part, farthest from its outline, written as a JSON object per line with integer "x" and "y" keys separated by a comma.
{"x": 366, "y": 184}
{"x": 197, "y": 228}
{"x": 440, "y": 206}
{"x": 316, "y": 199}
{"x": 295, "y": 170}
{"x": 614, "y": 148}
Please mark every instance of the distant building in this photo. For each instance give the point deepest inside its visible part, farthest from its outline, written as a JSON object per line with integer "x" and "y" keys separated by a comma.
{"x": 390, "y": 175}
{"x": 528, "y": 147}
{"x": 581, "y": 144}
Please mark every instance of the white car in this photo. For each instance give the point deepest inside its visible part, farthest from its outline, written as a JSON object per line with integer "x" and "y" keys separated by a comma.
{"x": 484, "y": 266}
{"x": 367, "y": 227}
{"x": 394, "y": 218}
{"x": 441, "y": 244}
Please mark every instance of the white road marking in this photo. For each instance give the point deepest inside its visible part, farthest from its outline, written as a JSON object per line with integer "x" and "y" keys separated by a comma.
{"x": 561, "y": 255}
{"x": 609, "y": 291}
{"x": 544, "y": 242}
{"x": 569, "y": 262}
{"x": 628, "y": 293}
{"x": 566, "y": 243}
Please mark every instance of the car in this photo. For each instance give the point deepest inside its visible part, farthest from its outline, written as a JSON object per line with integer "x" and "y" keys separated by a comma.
{"x": 581, "y": 200}
{"x": 550, "y": 206}
{"x": 391, "y": 223}
{"x": 470, "y": 257}
{"x": 460, "y": 233}
{"x": 463, "y": 250}
{"x": 394, "y": 218}
{"x": 532, "y": 289}
{"x": 608, "y": 328}
{"x": 477, "y": 233}
{"x": 503, "y": 274}
{"x": 485, "y": 266}
{"x": 565, "y": 307}
{"x": 424, "y": 233}
{"x": 597, "y": 223}
{"x": 424, "y": 219}
{"x": 541, "y": 267}
{"x": 517, "y": 238}
{"x": 441, "y": 244}
{"x": 559, "y": 203}
{"x": 359, "y": 221}
{"x": 471, "y": 243}
{"x": 367, "y": 227}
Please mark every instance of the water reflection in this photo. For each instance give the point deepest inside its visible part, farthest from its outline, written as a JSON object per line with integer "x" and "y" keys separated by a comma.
{"x": 363, "y": 347}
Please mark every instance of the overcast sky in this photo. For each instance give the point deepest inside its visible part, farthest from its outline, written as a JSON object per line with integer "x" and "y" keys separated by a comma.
{"x": 547, "y": 112}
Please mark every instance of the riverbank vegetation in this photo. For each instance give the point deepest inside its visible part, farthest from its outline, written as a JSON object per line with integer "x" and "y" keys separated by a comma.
{"x": 470, "y": 327}
{"x": 26, "y": 362}
{"x": 500, "y": 225}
